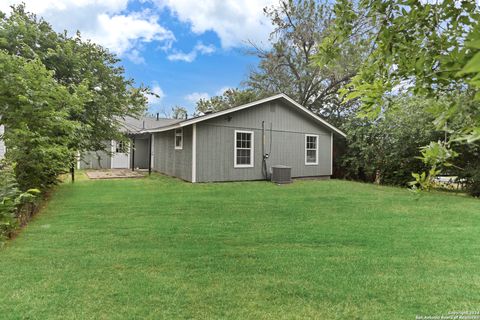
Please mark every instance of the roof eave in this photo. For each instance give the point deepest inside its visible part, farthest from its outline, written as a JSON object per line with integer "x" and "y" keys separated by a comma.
{"x": 245, "y": 106}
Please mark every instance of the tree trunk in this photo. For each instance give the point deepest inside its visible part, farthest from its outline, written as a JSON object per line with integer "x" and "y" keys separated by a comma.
{"x": 72, "y": 172}
{"x": 378, "y": 177}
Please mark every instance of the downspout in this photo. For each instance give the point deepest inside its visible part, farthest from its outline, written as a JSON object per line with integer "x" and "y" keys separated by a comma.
{"x": 194, "y": 153}
{"x": 133, "y": 153}
{"x": 265, "y": 156}
{"x": 331, "y": 154}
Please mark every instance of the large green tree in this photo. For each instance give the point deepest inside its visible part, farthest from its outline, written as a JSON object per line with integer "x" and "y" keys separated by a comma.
{"x": 385, "y": 149}
{"x": 84, "y": 91}
{"x": 430, "y": 48}
{"x": 229, "y": 99}
{"x": 75, "y": 61}
{"x": 287, "y": 66}
{"x": 179, "y": 112}
{"x": 35, "y": 109}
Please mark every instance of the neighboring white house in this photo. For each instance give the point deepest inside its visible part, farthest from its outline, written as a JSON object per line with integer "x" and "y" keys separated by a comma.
{"x": 2, "y": 144}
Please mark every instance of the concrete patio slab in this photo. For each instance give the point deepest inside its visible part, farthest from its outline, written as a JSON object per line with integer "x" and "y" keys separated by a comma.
{"x": 115, "y": 174}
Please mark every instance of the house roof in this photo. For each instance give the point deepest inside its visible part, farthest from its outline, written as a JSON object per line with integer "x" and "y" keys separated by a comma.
{"x": 134, "y": 125}
{"x": 289, "y": 101}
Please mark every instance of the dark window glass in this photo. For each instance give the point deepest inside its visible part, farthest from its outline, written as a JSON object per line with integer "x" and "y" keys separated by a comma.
{"x": 178, "y": 138}
{"x": 243, "y": 148}
{"x": 311, "y": 156}
{"x": 311, "y": 149}
{"x": 178, "y": 141}
{"x": 120, "y": 147}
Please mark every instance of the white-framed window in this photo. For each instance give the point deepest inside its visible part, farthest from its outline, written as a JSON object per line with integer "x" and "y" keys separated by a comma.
{"x": 311, "y": 149}
{"x": 243, "y": 149}
{"x": 121, "y": 147}
{"x": 179, "y": 139}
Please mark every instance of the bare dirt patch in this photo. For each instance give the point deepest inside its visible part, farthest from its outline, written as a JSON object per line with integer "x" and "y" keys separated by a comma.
{"x": 114, "y": 174}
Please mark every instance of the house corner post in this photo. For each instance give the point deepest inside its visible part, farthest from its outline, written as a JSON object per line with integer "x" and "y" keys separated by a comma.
{"x": 331, "y": 154}
{"x": 150, "y": 154}
{"x": 133, "y": 153}
{"x": 194, "y": 153}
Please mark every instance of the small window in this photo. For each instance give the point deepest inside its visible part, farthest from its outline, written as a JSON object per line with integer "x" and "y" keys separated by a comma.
{"x": 179, "y": 139}
{"x": 120, "y": 147}
{"x": 311, "y": 149}
{"x": 243, "y": 149}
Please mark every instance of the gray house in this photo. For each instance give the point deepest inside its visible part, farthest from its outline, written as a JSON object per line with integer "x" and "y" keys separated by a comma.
{"x": 241, "y": 143}
{"x": 121, "y": 155}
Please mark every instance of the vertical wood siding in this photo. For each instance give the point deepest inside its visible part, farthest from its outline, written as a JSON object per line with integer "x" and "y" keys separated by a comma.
{"x": 170, "y": 161}
{"x": 141, "y": 153}
{"x": 215, "y": 143}
{"x": 90, "y": 160}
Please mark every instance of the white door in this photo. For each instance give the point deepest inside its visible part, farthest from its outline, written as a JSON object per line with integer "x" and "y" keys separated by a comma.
{"x": 120, "y": 155}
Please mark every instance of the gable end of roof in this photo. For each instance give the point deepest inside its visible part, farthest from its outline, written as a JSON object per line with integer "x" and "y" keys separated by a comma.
{"x": 283, "y": 96}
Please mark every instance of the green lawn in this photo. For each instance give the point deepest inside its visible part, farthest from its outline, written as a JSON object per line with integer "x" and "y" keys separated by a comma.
{"x": 160, "y": 248}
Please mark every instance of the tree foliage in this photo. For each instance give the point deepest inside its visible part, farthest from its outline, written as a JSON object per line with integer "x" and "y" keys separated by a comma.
{"x": 11, "y": 201}
{"x": 385, "y": 149}
{"x": 288, "y": 67}
{"x": 467, "y": 167}
{"x": 35, "y": 109}
{"x": 76, "y": 62}
{"x": 179, "y": 112}
{"x": 429, "y": 48}
{"x": 229, "y": 99}
{"x": 59, "y": 95}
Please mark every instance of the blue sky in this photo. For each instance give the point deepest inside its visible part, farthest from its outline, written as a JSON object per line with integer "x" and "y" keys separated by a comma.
{"x": 183, "y": 49}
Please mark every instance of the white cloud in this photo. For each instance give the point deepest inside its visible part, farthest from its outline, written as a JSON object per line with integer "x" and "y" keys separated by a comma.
{"x": 105, "y": 22}
{"x": 109, "y": 22}
{"x": 44, "y": 6}
{"x": 196, "y": 96}
{"x": 135, "y": 56}
{"x": 181, "y": 56}
{"x": 154, "y": 100}
{"x": 192, "y": 55}
{"x": 123, "y": 33}
{"x": 234, "y": 21}
{"x": 203, "y": 49}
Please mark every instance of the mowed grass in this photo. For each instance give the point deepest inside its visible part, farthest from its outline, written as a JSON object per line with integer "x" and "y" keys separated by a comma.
{"x": 160, "y": 248}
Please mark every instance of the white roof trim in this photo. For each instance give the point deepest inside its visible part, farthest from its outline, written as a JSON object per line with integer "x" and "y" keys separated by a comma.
{"x": 245, "y": 106}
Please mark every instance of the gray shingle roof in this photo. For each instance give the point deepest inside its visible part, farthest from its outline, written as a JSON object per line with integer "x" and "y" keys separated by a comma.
{"x": 133, "y": 125}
